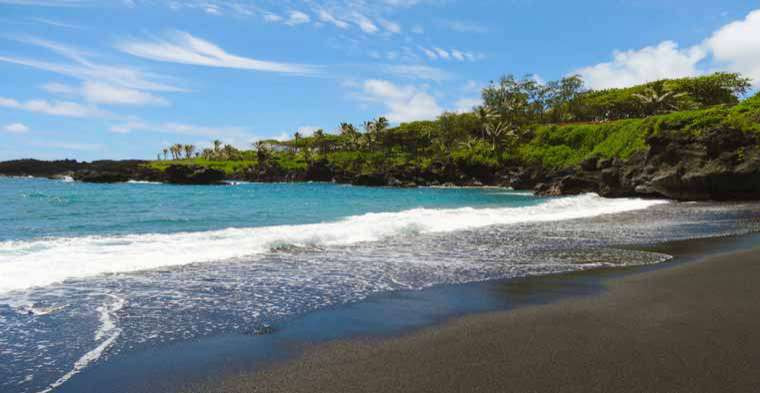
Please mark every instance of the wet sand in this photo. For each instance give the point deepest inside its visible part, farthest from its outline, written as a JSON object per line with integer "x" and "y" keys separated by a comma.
{"x": 691, "y": 327}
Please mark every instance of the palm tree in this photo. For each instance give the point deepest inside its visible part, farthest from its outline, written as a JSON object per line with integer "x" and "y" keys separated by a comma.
{"x": 319, "y": 139}
{"x": 217, "y": 145}
{"x": 496, "y": 130}
{"x": 348, "y": 131}
{"x": 189, "y": 150}
{"x": 178, "y": 151}
{"x": 296, "y": 138}
{"x": 165, "y": 152}
{"x": 230, "y": 152}
{"x": 657, "y": 100}
{"x": 369, "y": 131}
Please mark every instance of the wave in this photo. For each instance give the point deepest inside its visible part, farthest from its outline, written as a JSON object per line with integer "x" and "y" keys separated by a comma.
{"x": 26, "y": 264}
{"x": 143, "y": 182}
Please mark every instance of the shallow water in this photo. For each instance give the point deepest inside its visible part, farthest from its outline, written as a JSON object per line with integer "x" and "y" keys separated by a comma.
{"x": 91, "y": 272}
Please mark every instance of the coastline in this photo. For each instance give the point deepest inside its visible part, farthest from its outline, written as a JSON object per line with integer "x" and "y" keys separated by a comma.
{"x": 690, "y": 325}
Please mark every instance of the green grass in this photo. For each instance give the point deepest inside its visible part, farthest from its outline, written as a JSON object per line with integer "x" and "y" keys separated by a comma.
{"x": 228, "y": 167}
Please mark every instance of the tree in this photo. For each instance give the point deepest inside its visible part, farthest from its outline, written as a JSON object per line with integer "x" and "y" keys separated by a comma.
{"x": 217, "y": 145}
{"x": 165, "y": 152}
{"x": 262, "y": 152}
{"x": 296, "y": 138}
{"x": 189, "y": 150}
{"x": 657, "y": 99}
{"x": 349, "y": 133}
{"x": 319, "y": 140}
{"x": 369, "y": 133}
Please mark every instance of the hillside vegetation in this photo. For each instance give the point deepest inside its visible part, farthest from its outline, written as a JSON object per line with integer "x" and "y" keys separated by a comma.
{"x": 556, "y": 125}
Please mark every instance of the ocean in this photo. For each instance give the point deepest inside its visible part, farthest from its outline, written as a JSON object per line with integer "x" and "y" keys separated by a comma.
{"x": 90, "y": 274}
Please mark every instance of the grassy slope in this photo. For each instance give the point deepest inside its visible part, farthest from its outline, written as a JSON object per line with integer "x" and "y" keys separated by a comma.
{"x": 566, "y": 146}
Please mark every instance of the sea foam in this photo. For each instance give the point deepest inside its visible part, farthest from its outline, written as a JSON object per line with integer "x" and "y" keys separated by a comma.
{"x": 26, "y": 264}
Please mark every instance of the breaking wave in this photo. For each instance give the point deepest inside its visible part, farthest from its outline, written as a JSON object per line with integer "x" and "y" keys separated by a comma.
{"x": 26, "y": 264}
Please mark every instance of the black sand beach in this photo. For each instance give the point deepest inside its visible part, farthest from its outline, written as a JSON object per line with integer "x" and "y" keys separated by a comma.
{"x": 687, "y": 327}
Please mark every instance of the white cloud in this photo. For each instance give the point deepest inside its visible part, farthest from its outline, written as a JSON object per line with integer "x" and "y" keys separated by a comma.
{"x": 404, "y": 103}
{"x": 181, "y": 47}
{"x": 391, "y": 26}
{"x": 457, "y": 55}
{"x": 60, "y": 88}
{"x": 365, "y": 23}
{"x": 84, "y": 68}
{"x": 647, "y": 64}
{"x": 16, "y": 128}
{"x": 103, "y": 93}
{"x": 429, "y": 53}
{"x": 55, "y": 108}
{"x": 270, "y": 17}
{"x": 297, "y": 18}
{"x": 419, "y": 72}
{"x": 327, "y": 17}
{"x": 441, "y": 53}
{"x": 737, "y": 45}
{"x": 417, "y": 29}
{"x": 734, "y": 47}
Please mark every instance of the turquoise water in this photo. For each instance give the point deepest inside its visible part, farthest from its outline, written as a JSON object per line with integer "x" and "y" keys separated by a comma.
{"x": 92, "y": 274}
{"x": 35, "y": 208}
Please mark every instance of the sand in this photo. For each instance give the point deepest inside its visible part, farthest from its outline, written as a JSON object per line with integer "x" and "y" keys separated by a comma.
{"x": 692, "y": 327}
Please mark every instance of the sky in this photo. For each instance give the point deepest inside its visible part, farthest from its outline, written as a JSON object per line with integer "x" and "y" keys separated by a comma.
{"x": 115, "y": 79}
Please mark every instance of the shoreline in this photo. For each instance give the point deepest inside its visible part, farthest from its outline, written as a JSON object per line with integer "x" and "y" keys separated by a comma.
{"x": 686, "y": 325}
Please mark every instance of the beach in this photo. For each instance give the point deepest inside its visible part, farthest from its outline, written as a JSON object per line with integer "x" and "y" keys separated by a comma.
{"x": 690, "y": 326}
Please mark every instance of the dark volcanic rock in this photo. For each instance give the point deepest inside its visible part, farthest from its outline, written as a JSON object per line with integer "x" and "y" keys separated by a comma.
{"x": 374, "y": 179}
{"x": 30, "y": 167}
{"x": 94, "y": 176}
{"x": 568, "y": 185}
{"x": 188, "y": 174}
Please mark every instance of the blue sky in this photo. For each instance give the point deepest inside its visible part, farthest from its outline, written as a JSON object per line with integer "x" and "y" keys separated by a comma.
{"x": 122, "y": 78}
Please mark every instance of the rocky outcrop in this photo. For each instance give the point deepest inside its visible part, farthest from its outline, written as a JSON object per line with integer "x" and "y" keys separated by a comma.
{"x": 188, "y": 174}
{"x": 721, "y": 164}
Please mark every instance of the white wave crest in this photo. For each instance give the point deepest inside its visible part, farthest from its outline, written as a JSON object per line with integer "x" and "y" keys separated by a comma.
{"x": 143, "y": 182}
{"x": 25, "y": 264}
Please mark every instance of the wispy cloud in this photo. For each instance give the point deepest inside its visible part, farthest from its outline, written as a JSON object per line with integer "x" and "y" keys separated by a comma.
{"x": 364, "y": 23}
{"x": 297, "y": 18}
{"x": 55, "y": 108}
{"x": 184, "y": 48}
{"x": 422, "y": 72}
{"x": 82, "y": 67}
{"x": 436, "y": 53}
{"x": 55, "y": 23}
{"x": 15, "y": 128}
{"x": 225, "y": 132}
{"x": 327, "y": 17}
{"x": 103, "y": 93}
